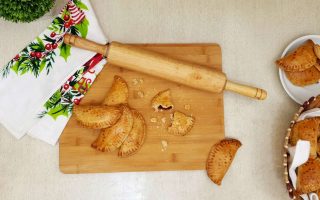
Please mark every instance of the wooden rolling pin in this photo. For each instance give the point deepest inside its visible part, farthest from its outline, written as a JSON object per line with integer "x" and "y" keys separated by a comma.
{"x": 155, "y": 64}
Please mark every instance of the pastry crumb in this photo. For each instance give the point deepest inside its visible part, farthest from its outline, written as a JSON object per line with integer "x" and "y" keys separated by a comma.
{"x": 153, "y": 120}
{"x": 135, "y": 81}
{"x": 163, "y": 119}
{"x": 138, "y": 94}
{"x": 187, "y": 107}
{"x": 164, "y": 145}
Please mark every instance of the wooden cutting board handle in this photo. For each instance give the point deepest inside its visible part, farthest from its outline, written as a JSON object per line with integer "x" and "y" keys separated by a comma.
{"x": 155, "y": 64}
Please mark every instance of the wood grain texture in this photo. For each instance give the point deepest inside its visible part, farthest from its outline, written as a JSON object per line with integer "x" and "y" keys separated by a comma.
{"x": 183, "y": 153}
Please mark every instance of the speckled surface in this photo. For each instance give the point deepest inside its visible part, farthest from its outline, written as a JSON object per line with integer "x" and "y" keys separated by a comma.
{"x": 252, "y": 34}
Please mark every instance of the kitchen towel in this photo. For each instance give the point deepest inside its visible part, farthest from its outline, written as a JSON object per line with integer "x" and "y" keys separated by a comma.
{"x": 34, "y": 83}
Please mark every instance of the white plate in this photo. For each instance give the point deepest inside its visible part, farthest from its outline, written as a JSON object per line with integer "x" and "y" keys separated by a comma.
{"x": 299, "y": 94}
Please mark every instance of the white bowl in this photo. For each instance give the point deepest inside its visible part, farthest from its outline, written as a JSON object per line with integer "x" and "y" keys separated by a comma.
{"x": 299, "y": 94}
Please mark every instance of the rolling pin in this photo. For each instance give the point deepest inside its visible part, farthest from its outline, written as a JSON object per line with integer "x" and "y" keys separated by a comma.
{"x": 155, "y": 64}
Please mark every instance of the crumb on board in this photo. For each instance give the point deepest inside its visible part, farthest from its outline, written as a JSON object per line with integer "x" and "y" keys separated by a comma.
{"x": 153, "y": 120}
{"x": 138, "y": 94}
{"x": 164, "y": 145}
{"x": 141, "y": 94}
{"x": 187, "y": 107}
{"x": 163, "y": 119}
{"x": 137, "y": 81}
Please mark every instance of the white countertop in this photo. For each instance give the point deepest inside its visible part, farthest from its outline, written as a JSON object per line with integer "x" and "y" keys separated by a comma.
{"x": 252, "y": 34}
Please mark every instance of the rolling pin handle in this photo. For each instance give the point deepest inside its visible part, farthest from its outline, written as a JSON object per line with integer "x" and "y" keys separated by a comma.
{"x": 86, "y": 44}
{"x": 245, "y": 90}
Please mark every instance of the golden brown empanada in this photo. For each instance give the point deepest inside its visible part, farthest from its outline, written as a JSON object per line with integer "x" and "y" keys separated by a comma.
{"x": 316, "y": 49}
{"x": 162, "y": 101}
{"x": 299, "y": 60}
{"x": 307, "y": 129}
{"x": 118, "y": 93}
{"x": 181, "y": 124}
{"x": 318, "y": 150}
{"x": 306, "y": 77}
{"x": 96, "y": 117}
{"x": 220, "y": 158}
{"x": 309, "y": 176}
{"x": 136, "y": 137}
{"x": 111, "y": 138}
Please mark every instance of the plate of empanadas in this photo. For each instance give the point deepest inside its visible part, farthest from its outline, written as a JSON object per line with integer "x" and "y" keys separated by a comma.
{"x": 299, "y": 68}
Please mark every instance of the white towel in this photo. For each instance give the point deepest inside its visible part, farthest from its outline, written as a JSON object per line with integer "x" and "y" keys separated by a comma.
{"x": 38, "y": 72}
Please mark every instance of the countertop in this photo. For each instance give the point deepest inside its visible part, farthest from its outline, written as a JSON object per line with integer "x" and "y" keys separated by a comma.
{"x": 252, "y": 35}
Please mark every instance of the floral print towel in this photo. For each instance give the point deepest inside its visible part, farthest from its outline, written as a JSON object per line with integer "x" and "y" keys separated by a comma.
{"x": 42, "y": 82}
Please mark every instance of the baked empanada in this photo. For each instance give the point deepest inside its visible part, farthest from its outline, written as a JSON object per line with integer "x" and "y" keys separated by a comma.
{"x": 118, "y": 93}
{"x": 299, "y": 60}
{"x": 306, "y": 77}
{"x": 111, "y": 138}
{"x": 136, "y": 137}
{"x": 309, "y": 176}
{"x": 181, "y": 124}
{"x": 220, "y": 158}
{"x": 307, "y": 129}
{"x": 318, "y": 150}
{"x": 162, "y": 101}
{"x": 96, "y": 117}
{"x": 316, "y": 49}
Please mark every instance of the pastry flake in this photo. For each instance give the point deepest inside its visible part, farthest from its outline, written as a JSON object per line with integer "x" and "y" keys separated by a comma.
{"x": 299, "y": 60}
{"x": 162, "y": 101}
{"x": 309, "y": 176}
{"x": 181, "y": 124}
{"x": 220, "y": 158}
{"x": 307, "y": 129}
{"x": 111, "y": 138}
{"x": 136, "y": 137}
{"x": 306, "y": 77}
{"x": 118, "y": 93}
{"x": 96, "y": 117}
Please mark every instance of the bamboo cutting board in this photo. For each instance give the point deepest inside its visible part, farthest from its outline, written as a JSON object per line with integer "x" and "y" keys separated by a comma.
{"x": 182, "y": 153}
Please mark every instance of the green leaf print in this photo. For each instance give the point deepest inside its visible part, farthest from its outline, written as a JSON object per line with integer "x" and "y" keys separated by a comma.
{"x": 65, "y": 51}
{"x": 83, "y": 27}
{"x": 80, "y": 5}
{"x": 58, "y": 111}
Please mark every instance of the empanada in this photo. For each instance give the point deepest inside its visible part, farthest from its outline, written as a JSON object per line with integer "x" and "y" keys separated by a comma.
{"x": 307, "y": 129}
{"x": 299, "y": 60}
{"x": 181, "y": 124}
{"x": 306, "y": 77}
{"x": 220, "y": 158}
{"x": 96, "y": 117}
{"x": 162, "y": 101}
{"x": 309, "y": 176}
{"x": 118, "y": 93}
{"x": 316, "y": 49}
{"x": 318, "y": 150}
{"x": 111, "y": 138}
{"x": 136, "y": 137}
